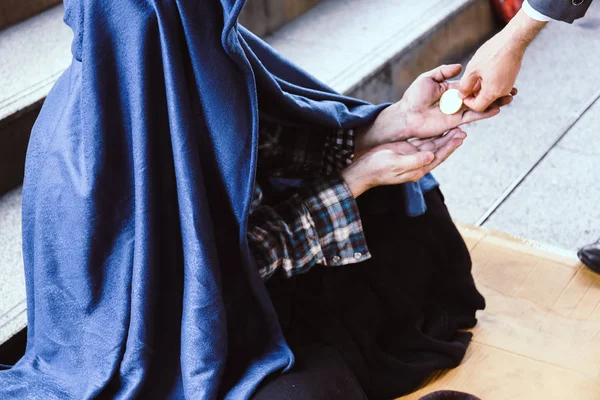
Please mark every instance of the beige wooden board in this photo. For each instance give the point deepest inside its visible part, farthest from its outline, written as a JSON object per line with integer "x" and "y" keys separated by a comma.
{"x": 539, "y": 337}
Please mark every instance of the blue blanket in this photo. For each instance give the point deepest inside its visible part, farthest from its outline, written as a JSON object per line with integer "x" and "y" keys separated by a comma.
{"x": 139, "y": 175}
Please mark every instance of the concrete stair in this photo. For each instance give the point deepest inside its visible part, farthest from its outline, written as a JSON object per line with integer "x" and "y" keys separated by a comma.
{"x": 264, "y": 17}
{"x": 36, "y": 51}
{"x": 370, "y": 49}
{"x": 14, "y": 11}
{"x": 533, "y": 170}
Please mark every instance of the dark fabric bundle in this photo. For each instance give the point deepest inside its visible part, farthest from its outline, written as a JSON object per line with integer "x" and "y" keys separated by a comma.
{"x": 449, "y": 395}
{"x": 139, "y": 175}
{"x": 398, "y": 317}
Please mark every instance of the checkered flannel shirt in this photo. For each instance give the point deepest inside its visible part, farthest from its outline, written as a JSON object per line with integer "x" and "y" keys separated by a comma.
{"x": 320, "y": 222}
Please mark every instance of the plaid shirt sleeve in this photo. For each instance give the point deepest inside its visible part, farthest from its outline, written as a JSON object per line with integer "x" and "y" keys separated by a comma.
{"x": 323, "y": 152}
{"x": 338, "y": 151}
{"x": 319, "y": 225}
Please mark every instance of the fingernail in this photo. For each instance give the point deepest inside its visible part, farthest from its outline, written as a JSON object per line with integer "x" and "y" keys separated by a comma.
{"x": 429, "y": 157}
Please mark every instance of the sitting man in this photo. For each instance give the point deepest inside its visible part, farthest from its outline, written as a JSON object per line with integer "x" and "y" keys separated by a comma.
{"x": 201, "y": 216}
{"x": 362, "y": 288}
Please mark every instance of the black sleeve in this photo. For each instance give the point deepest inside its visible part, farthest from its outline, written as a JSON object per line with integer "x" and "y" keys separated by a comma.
{"x": 562, "y": 10}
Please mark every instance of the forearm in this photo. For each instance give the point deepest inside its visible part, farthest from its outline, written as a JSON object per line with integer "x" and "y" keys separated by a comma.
{"x": 522, "y": 30}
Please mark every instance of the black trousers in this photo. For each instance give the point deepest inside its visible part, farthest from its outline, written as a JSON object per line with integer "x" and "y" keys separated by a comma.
{"x": 378, "y": 329}
{"x": 319, "y": 373}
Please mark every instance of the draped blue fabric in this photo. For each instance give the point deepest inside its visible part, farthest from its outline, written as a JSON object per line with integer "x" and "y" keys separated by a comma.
{"x": 139, "y": 175}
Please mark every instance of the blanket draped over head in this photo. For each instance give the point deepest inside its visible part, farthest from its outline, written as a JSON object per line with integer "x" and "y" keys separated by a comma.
{"x": 139, "y": 176}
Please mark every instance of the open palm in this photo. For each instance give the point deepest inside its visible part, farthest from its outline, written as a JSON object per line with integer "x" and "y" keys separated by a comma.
{"x": 420, "y": 104}
{"x": 418, "y": 114}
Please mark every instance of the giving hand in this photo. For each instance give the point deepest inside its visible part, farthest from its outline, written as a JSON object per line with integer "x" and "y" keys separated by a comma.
{"x": 418, "y": 114}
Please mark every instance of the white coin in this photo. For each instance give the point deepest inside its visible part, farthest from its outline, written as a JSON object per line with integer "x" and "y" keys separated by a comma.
{"x": 450, "y": 102}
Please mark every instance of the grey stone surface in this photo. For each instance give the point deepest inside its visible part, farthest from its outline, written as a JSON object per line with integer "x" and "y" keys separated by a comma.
{"x": 349, "y": 43}
{"x": 264, "y": 17}
{"x": 13, "y": 11}
{"x": 12, "y": 283}
{"x": 254, "y": 17}
{"x": 14, "y": 139}
{"x": 379, "y": 88}
{"x": 446, "y": 43}
{"x": 558, "y": 204}
{"x": 33, "y": 54}
{"x": 560, "y": 75}
{"x": 281, "y": 12}
{"x": 584, "y": 138}
{"x": 317, "y": 59}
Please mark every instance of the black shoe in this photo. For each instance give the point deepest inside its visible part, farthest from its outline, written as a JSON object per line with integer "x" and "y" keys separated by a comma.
{"x": 590, "y": 256}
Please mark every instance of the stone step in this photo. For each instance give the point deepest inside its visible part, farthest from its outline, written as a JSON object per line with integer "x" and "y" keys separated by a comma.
{"x": 375, "y": 49}
{"x": 13, "y": 309}
{"x": 35, "y": 52}
{"x": 264, "y": 17}
{"x": 533, "y": 170}
{"x": 371, "y": 50}
{"x": 15, "y": 11}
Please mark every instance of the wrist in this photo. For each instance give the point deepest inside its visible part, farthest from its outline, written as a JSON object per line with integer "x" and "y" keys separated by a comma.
{"x": 412, "y": 121}
{"x": 353, "y": 182}
{"x": 522, "y": 30}
{"x": 361, "y": 140}
{"x": 390, "y": 126}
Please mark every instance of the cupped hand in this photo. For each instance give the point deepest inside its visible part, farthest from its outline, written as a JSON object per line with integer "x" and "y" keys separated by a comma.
{"x": 400, "y": 162}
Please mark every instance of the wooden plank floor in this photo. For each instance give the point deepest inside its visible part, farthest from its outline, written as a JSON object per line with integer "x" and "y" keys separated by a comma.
{"x": 539, "y": 337}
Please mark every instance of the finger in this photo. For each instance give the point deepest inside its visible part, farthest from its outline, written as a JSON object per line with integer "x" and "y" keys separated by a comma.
{"x": 447, "y": 145}
{"x": 402, "y": 147}
{"x": 412, "y": 162}
{"x": 504, "y": 101}
{"x": 467, "y": 84}
{"x": 420, "y": 142}
{"x": 469, "y": 116}
{"x": 415, "y": 175}
{"x": 444, "y": 72}
{"x": 411, "y": 176}
{"x": 428, "y": 145}
{"x": 477, "y": 87}
{"x": 481, "y": 102}
{"x": 447, "y": 150}
{"x": 434, "y": 144}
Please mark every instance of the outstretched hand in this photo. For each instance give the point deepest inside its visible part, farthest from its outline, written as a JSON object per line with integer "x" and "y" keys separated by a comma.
{"x": 418, "y": 114}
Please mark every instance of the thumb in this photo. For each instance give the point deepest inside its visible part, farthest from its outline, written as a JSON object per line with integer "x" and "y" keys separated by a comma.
{"x": 481, "y": 102}
{"x": 467, "y": 84}
{"x": 444, "y": 72}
